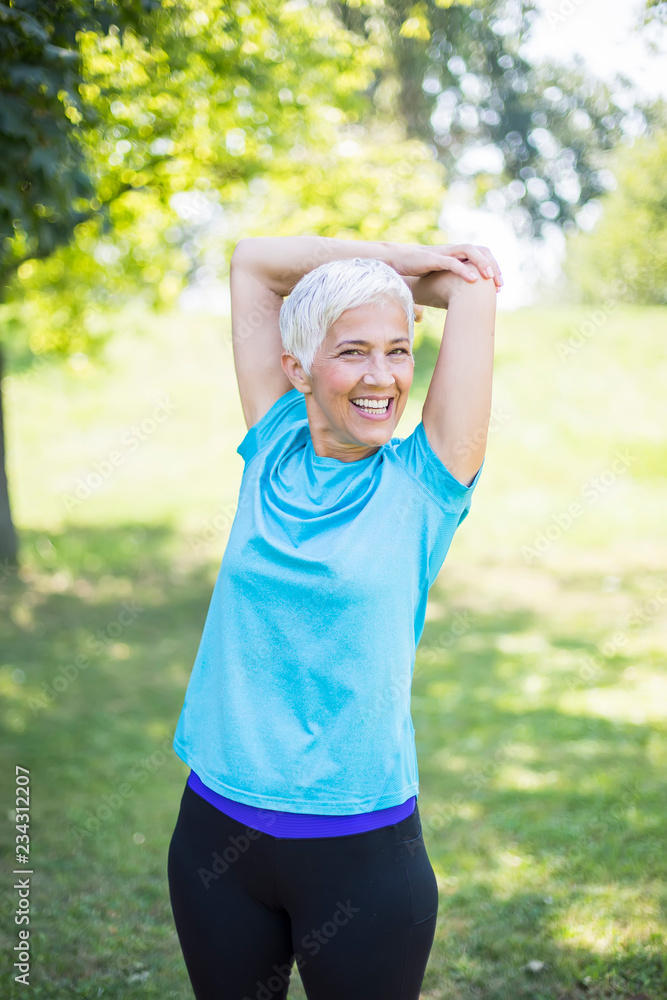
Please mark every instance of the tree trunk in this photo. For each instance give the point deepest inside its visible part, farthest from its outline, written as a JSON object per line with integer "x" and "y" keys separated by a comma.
{"x": 8, "y": 539}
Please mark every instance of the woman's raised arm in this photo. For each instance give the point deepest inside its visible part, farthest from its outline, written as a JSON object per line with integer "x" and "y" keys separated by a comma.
{"x": 457, "y": 407}
{"x": 263, "y": 270}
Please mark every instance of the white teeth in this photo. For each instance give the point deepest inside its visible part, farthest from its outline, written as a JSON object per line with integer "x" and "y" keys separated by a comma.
{"x": 371, "y": 404}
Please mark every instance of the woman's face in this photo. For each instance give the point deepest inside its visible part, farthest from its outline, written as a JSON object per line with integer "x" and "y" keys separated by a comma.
{"x": 377, "y": 367}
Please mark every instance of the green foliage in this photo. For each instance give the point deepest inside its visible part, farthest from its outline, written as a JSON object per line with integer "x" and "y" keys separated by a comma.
{"x": 460, "y": 83}
{"x": 629, "y": 244}
{"x": 217, "y": 112}
{"x": 44, "y": 186}
{"x": 656, "y": 10}
{"x": 262, "y": 117}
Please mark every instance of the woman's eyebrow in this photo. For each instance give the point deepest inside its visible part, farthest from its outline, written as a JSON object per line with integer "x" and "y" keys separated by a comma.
{"x": 396, "y": 340}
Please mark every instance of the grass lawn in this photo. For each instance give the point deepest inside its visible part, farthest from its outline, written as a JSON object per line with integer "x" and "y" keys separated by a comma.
{"x": 539, "y": 693}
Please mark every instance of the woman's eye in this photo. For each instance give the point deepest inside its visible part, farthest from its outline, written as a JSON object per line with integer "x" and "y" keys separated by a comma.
{"x": 353, "y": 350}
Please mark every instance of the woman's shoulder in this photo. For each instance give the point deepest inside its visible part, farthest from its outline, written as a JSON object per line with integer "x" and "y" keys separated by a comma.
{"x": 417, "y": 458}
{"x": 286, "y": 413}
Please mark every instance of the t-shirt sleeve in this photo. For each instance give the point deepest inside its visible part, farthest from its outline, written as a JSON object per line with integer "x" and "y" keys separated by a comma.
{"x": 288, "y": 410}
{"x": 420, "y": 461}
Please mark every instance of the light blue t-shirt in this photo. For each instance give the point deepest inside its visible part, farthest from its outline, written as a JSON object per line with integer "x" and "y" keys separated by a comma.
{"x": 299, "y": 698}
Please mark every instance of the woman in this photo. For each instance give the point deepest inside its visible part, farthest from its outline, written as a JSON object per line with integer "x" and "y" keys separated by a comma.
{"x": 298, "y": 839}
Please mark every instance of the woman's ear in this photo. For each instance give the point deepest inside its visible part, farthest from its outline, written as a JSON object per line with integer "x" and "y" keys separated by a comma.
{"x": 295, "y": 373}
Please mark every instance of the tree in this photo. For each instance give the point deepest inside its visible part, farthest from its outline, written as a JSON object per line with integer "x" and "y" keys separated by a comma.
{"x": 456, "y": 73}
{"x": 135, "y": 124}
{"x": 194, "y": 104}
{"x": 627, "y": 249}
{"x": 44, "y": 185}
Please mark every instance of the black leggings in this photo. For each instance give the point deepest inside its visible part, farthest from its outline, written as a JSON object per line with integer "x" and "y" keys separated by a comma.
{"x": 356, "y": 913}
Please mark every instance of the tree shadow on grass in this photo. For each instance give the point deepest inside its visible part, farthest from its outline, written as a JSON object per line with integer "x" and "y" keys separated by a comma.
{"x": 487, "y": 946}
{"x": 99, "y": 634}
{"x": 524, "y": 784}
{"x": 522, "y": 799}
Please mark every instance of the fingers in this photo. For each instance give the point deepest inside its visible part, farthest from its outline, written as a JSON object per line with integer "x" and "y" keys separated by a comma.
{"x": 481, "y": 257}
{"x": 457, "y": 266}
{"x": 487, "y": 264}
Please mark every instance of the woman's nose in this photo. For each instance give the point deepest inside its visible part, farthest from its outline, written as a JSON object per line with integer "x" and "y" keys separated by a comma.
{"x": 379, "y": 373}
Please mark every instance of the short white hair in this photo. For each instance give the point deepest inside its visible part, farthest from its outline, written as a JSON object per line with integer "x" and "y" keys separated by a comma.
{"x": 322, "y": 295}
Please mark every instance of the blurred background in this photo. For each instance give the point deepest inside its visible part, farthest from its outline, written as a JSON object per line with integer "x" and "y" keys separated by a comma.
{"x": 140, "y": 141}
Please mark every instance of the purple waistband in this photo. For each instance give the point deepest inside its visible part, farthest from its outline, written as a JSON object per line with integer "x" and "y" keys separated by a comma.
{"x": 287, "y": 824}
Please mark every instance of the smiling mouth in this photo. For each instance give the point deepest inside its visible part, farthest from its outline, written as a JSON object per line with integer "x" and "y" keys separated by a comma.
{"x": 376, "y": 411}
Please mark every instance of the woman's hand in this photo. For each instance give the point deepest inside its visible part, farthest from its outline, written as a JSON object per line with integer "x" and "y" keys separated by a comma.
{"x": 438, "y": 289}
{"x": 416, "y": 260}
